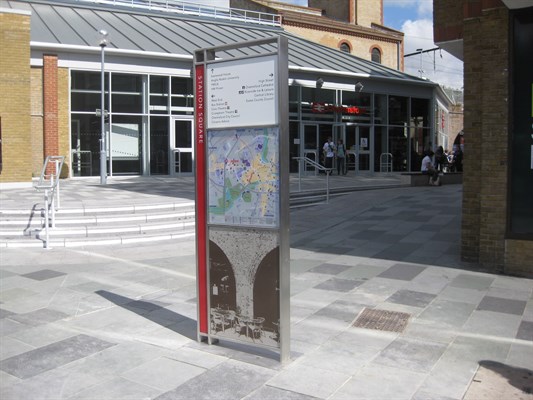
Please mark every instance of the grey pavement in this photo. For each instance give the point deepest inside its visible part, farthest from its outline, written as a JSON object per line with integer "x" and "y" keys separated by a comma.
{"x": 119, "y": 322}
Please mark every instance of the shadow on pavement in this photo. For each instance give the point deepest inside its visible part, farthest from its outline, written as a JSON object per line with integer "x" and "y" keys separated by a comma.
{"x": 520, "y": 378}
{"x": 495, "y": 380}
{"x": 154, "y": 312}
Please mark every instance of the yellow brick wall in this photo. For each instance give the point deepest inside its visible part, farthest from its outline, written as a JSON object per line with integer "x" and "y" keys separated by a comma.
{"x": 15, "y": 98}
{"x": 369, "y": 12}
{"x": 361, "y": 47}
{"x": 519, "y": 257}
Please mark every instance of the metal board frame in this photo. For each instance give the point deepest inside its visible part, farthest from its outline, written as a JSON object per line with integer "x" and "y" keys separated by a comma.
{"x": 277, "y": 46}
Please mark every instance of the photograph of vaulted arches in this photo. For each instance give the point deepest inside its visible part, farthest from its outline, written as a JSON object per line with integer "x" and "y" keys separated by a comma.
{"x": 244, "y": 286}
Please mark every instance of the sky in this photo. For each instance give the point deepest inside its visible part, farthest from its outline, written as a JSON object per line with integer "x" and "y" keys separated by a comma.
{"x": 415, "y": 19}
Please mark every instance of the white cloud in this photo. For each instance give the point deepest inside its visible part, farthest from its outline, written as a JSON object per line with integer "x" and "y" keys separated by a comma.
{"x": 438, "y": 66}
{"x": 425, "y": 8}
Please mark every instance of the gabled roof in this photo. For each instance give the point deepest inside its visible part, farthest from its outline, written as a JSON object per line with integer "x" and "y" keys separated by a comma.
{"x": 67, "y": 23}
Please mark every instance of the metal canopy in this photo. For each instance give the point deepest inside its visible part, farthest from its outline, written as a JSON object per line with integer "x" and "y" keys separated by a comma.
{"x": 75, "y": 24}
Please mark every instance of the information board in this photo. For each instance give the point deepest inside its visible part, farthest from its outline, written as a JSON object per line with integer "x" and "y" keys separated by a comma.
{"x": 242, "y": 93}
{"x": 242, "y": 194}
{"x": 243, "y": 170}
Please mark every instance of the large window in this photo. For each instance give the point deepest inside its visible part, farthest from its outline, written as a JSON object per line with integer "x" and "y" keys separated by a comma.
{"x": 356, "y": 107}
{"x": 398, "y": 110}
{"x": 126, "y": 94}
{"x": 182, "y": 97}
{"x": 317, "y": 104}
{"x": 85, "y": 91}
{"x": 521, "y": 176}
{"x": 137, "y": 124}
{"x": 159, "y": 96}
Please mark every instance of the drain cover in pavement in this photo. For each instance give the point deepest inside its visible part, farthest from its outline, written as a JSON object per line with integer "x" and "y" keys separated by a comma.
{"x": 382, "y": 320}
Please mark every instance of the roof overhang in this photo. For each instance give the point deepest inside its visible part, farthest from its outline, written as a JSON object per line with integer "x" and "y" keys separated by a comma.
{"x": 514, "y": 4}
{"x": 454, "y": 47}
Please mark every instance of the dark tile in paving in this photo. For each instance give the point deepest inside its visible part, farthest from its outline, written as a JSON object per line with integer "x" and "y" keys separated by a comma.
{"x": 330, "y": 269}
{"x": 367, "y": 235}
{"x": 230, "y": 380}
{"x": 390, "y": 238}
{"x": 43, "y": 274}
{"x": 269, "y": 392}
{"x": 342, "y": 310}
{"x": 339, "y": 285}
{"x": 405, "y": 214}
{"x": 403, "y": 248}
{"x": 469, "y": 281}
{"x": 9, "y": 327}
{"x": 502, "y": 305}
{"x": 404, "y": 272}
{"x": 525, "y": 331}
{"x": 147, "y": 306}
{"x": 6, "y": 274}
{"x": 430, "y": 227}
{"x": 411, "y": 298}
{"x": 417, "y": 218}
{"x": 54, "y": 355}
{"x": 447, "y": 237}
{"x": 39, "y": 317}
{"x": 446, "y": 312}
{"x": 411, "y": 354}
{"x": 5, "y": 313}
{"x": 337, "y": 250}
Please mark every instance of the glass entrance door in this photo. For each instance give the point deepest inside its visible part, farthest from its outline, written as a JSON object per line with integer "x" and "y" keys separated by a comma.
{"x": 124, "y": 145}
{"x": 339, "y": 133}
{"x": 311, "y": 142}
{"x": 363, "y": 146}
{"x": 359, "y": 145}
{"x": 181, "y": 146}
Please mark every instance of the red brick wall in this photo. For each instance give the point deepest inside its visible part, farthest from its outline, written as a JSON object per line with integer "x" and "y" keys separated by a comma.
{"x": 50, "y": 82}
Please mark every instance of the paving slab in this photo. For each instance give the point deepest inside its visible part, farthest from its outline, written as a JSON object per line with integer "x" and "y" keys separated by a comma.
{"x": 120, "y": 321}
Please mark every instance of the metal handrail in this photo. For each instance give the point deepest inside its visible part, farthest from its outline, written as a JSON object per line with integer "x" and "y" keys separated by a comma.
{"x": 178, "y": 163}
{"x": 79, "y": 163}
{"x": 320, "y": 167}
{"x": 51, "y": 191}
{"x": 182, "y": 7}
{"x": 387, "y": 163}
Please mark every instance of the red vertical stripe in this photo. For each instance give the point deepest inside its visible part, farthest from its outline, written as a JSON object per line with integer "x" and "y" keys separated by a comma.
{"x": 201, "y": 199}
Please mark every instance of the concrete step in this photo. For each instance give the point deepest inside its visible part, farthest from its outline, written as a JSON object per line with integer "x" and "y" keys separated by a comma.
{"x": 103, "y": 225}
{"x": 62, "y": 220}
{"x": 103, "y": 241}
{"x": 124, "y": 224}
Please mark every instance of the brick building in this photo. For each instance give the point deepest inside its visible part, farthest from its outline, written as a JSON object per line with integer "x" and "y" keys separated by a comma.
{"x": 51, "y": 91}
{"x": 354, "y": 26}
{"x": 494, "y": 38}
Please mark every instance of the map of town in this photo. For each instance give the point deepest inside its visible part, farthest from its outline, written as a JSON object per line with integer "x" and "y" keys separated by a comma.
{"x": 244, "y": 177}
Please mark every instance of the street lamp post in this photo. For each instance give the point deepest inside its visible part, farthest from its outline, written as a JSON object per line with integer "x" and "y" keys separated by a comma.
{"x": 103, "y": 153}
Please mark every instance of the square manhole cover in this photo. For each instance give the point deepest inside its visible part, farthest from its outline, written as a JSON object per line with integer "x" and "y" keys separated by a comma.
{"x": 382, "y": 320}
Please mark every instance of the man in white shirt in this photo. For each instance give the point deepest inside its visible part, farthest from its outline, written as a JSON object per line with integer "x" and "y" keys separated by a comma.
{"x": 329, "y": 153}
{"x": 429, "y": 169}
